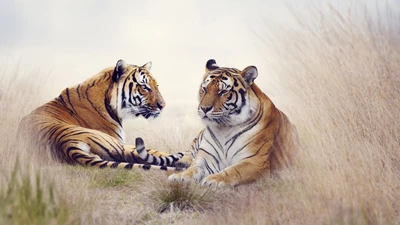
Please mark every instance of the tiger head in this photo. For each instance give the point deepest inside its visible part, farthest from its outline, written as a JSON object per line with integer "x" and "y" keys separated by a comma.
{"x": 224, "y": 95}
{"x": 135, "y": 91}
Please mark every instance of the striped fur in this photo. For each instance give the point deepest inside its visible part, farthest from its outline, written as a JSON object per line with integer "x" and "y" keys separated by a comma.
{"x": 83, "y": 125}
{"x": 245, "y": 136}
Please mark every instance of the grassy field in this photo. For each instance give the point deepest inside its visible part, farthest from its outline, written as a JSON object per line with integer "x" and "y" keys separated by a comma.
{"x": 340, "y": 78}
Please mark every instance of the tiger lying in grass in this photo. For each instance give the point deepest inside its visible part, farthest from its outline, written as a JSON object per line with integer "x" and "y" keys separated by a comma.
{"x": 245, "y": 135}
{"x": 84, "y": 124}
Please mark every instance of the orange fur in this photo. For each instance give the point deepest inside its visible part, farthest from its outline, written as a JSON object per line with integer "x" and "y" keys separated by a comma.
{"x": 83, "y": 125}
{"x": 246, "y": 136}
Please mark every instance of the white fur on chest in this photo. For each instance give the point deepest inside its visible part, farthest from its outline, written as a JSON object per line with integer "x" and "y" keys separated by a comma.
{"x": 228, "y": 145}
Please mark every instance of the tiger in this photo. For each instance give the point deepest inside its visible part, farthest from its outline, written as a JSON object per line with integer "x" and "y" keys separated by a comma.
{"x": 245, "y": 135}
{"x": 83, "y": 125}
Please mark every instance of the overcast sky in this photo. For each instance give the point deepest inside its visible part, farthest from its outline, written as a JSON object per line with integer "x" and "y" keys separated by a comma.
{"x": 74, "y": 39}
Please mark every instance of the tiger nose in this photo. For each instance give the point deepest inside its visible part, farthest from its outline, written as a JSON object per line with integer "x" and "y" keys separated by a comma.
{"x": 160, "y": 105}
{"x": 206, "y": 109}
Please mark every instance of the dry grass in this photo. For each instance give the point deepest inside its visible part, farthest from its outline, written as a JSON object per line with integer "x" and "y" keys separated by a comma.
{"x": 27, "y": 201}
{"x": 340, "y": 73}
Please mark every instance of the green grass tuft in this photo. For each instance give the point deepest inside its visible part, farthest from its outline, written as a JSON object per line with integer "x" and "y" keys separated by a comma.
{"x": 31, "y": 201}
{"x": 108, "y": 177}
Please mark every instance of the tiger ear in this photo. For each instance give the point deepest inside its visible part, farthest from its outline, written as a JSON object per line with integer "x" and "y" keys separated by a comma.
{"x": 119, "y": 70}
{"x": 211, "y": 65}
{"x": 147, "y": 66}
{"x": 249, "y": 74}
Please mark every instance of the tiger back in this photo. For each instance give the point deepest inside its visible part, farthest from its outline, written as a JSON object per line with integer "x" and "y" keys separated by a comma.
{"x": 245, "y": 136}
{"x": 83, "y": 125}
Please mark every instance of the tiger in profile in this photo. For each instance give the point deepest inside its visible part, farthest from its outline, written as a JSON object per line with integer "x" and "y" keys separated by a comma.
{"x": 83, "y": 125}
{"x": 245, "y": 135}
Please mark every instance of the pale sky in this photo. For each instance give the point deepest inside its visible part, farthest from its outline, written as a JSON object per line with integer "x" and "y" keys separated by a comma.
{"x": 73, "y": 39}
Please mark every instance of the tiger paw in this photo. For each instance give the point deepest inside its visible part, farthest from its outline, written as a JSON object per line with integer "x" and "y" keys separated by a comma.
{"x": 214, "y": 180}
{"x": 191, "y": 174}
{"x": 184, "y": 162}
{"x": 180, "y": 177}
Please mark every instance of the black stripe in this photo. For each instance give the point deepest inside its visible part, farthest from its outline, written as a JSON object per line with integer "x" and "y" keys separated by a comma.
{"x": 229, "y": 97}
{"x": 251, "y": 124}
{"x": 77, "y": 91}
{"x": 96, "y": 162}
{"x": 104, "y": 165}
{"x": 239, "y": 110}
{"x": 115, "y": 165}
{"x": 123, "y": 154}
{"x": 210, "y": 171}
{"x": 235, "y": 83}
{"x": 101, "y": 115}
{"x": 98, "y": 112}
{"x": 70, "y": 149}
{"x": 237, "y": 135}
{"x": 76, "y": 133}
{"x": 239, "y": 150}
{"x": 63, "y": 103}
{"x": 102, "y": 147}
{"x": 88, "y": 162}
{"x": 216, "y": 151}
{"x": 167, "y": 160}
{"x": 69, "y": 101}
{"x": 233, "y": 139}
{"x": 75, "y": 155}
{"x": 216, "y": 160}
{"x": 146, "y": 167}
{"x": 257, "y": 117}
{"x": 123, "y": 92}
{"x": 215, "y": 139}
{"x": 130, "y": 92}
{"x": 61, "y": 132}
{"x": 137, "y": 99}
{"x": 78, "y": 155}
{"x": 174, "y": 158}
{"x": 117, "y": 147}
{"x": 117, "y": 96}
{"x": 115, "y": 75}
{"x": 234, "y": 104}
{"x": 65, "y": 133}
{"x": 154, "y": 161}
{"x": 129, "y": 166}
{"x": 60, "y": 100}
{"x": 50, "y": 131}
{"x": 111, "y": 112}
{"x": 147, "y": 157}
{"x": 135, "y": 160}
{"x": 133, "y": 76}
{"x": 217, "y": 168}
{"x": 250, "y": 156}
{"x": 163, "y": 168}
{"x": 67, "y": 142}
{"x": 161, "y": 161}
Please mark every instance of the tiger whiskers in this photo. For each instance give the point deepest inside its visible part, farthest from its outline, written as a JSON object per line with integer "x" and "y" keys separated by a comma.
{"x": 146, "y": 112}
